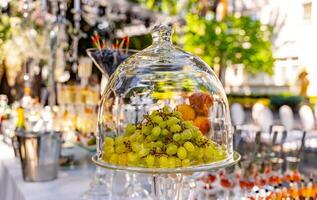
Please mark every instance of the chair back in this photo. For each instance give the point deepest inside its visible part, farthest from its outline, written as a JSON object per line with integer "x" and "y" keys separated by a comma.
{"x": 287, "y": 117}
{"x": 237, "y": 114}
{"x": 307, "y": 117}
{"x": 265, "y": 119}
{"x": 256, "y": 109}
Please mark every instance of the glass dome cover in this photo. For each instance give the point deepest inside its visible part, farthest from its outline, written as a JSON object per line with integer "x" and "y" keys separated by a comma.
{"x": 164, "y": 110}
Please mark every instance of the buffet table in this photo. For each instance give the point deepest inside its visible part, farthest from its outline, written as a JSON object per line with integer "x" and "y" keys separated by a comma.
{"x": 69, "y": 185}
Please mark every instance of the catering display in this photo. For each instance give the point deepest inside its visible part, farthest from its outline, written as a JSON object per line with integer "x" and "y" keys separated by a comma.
{"x": 155, "y": 123}
{"x": 163, "y": 111}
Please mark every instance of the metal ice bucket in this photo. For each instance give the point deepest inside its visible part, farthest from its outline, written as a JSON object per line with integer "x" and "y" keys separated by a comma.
{"x": 39, "y": 155}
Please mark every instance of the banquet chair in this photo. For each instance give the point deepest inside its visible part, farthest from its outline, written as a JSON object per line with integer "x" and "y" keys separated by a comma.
{"x": 287, "y": 120}
{"x": 249, "y": 130}
{"x": 287, "y": 117}
{"x": 237, "y": 118}
{"x": 237, "y": 114}
{"x": 265, "y": 119}
{"x": 261, "y": 136}
{"x": 308, "y": 122}
{"x": 256, "y": 110}
{"x": 307, "y": 118}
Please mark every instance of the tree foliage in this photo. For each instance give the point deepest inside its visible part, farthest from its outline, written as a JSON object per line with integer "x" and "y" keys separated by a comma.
{"x": 232, "y": 40}
{"x": 235, "y": 40}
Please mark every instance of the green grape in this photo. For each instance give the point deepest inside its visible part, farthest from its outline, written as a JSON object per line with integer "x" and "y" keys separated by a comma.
{"x": 132, "y": 158}
{"x": 185, "y": 162}
{"x": 145, "y": 145}
{"x": 132, "y": 137}
{"x": 178, "y": 162}
{"x": 177, "y": 114}
{"x": 136, "y": 147}
{"x": 186, "y": 135}
{"x": 165, "y": 132}
{"x": 150, "y": 160}
{"x": 120, "y": 149}
{"x": 159, "y": 144}
{"x": 146, "y": 129}
{"x": 139, "y": 137}
{"x": 126, "y": 139}
{"x": 143, "y": 152}
{"x": 189, "y": 146}
{"x": 148, "y": 139}
{"x": 175, "y": 128}
{"x": 166, "y": 109}
{"x": 157, "y": 119}
{"x": 114, "y": 159}
{"x": 222, "y": 155}
{"x": 171, "y": 149}
{"x": 106, "y": 157}
{"x": 171, "y": 121}
{"x": 199, "y": 153}
{"x": 108, "y": 149}
{"x": 156, "y": 131}
{"x": 149, "y": 145}
{"x": 109, "y": 141}
{"x": 210, "y": 152}
{"x": 123, "y": 159}
{"x": 195, "y": 133}
{"x": 118, "y": 140}
{"x": 189, "y": 124}
{"x": 163, "y": 161}
{"x": 130, "y": 129}
{"x": 191, "y": 155}
{"x": 181, "y": 153}
{"x": 135, "y": 136}
{"x": 199, "y": 161}
{"x": 176, "y": 137}
{"x": 171, "y": 162}
{"x": 154, "y": 113}
{"x": 153, "y": 137}
{"x": 163, "y": 124}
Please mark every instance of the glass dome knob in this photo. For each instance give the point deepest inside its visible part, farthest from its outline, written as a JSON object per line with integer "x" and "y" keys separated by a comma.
{"x": 162, "y": 33}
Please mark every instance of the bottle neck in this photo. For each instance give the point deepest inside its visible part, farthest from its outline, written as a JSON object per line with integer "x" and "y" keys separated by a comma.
{"x": 21, "y": 119}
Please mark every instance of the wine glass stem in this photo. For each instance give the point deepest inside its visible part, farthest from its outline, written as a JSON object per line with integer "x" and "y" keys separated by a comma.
{"x": 179, "y": 184}
{"x": 111, "y": 179}
{"x": 155, "y": 187}
{"x": 135, "y": 182}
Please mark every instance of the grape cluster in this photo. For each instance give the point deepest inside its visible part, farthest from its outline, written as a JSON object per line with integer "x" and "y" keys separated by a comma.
{"x": 162, "y": 140}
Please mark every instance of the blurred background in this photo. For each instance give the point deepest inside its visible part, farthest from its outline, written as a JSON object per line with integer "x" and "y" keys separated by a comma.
{"x": 263, "y": 52}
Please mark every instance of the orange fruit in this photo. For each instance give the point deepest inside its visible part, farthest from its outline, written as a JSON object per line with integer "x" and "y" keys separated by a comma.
{"x": 201, "y": 102}
{"x": 188, "y": 112}
{"x": 202, "y": 123}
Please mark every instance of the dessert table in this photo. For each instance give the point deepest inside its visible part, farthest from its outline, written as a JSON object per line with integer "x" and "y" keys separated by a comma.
{"x": 70, "y": 184}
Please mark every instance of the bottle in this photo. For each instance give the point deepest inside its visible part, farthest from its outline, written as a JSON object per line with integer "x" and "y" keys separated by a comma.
{"x": 278, "y": 192}
{"x": 302, "y": 190}
{"x": 20, "y": 125}
{"x": 310, "y": 189}
{"x": 293, "y": 190}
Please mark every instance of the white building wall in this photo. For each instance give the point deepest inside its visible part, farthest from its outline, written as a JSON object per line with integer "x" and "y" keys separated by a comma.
{"x": 294, "y": 45}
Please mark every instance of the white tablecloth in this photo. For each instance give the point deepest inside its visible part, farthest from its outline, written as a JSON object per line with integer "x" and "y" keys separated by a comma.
{"x": 69, "y": 185}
